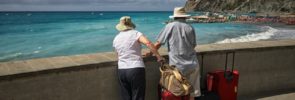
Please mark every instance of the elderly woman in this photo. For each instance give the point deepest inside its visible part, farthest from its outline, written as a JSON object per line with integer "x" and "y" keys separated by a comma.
{"x": 130, "y": 64}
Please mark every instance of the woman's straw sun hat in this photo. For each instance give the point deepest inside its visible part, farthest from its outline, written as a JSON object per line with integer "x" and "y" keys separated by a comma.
{"x": 179, "y": 12}
{"x": 125, "y": 24}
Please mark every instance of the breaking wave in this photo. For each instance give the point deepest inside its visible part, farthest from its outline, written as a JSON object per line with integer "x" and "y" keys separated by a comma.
{"x": 17, "y": 55}
{"x": 252, "y": 37}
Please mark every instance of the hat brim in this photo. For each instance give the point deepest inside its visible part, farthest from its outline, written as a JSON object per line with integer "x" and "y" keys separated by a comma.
{"x": 122, "y": 27}
{"x": 181, "y": 16}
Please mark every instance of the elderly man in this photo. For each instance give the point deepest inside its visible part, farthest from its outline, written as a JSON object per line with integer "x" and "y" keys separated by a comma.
{"x": 181, "y": 41}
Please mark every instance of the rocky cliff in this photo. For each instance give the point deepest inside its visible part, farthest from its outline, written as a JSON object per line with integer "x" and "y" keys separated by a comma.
{"x": 262, "y": 6}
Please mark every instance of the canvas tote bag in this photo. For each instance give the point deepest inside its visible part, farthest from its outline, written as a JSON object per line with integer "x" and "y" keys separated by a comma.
{"x": 173, "y": 81}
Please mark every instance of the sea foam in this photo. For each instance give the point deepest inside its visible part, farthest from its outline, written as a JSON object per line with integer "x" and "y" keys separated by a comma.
{"x": 253, "y": 37}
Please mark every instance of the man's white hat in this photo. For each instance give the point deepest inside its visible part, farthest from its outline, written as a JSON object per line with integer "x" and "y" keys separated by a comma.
{"x": 179, "y": 12}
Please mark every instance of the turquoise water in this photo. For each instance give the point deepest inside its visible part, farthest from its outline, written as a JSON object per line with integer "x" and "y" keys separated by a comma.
{"x": 26, "y": 35}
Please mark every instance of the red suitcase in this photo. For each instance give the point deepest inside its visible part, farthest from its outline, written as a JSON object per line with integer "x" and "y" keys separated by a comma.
{"x": 224, "y": 82}
{"x": 166, "y": 95}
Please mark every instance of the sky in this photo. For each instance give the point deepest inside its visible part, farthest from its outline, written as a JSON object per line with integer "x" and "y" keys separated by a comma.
{"x": 90, "y": 5}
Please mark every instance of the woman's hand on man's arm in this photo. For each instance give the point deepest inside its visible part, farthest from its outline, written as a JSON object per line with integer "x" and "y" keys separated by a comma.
{"x": 157, "y": 46}
{"x": 142, "y": 39}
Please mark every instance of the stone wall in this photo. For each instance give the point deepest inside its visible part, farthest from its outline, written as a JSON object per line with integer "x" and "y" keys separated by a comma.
{"x": 266, "y": 68}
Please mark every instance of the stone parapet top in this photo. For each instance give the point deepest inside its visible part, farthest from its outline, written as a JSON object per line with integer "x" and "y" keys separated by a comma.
{"x": 45, "y": 64}
{"x": 244, "y": 46}
{"x": 41, "y": 64}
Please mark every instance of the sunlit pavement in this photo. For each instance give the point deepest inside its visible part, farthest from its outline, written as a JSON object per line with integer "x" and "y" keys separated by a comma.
{"x": 289, "y": 96}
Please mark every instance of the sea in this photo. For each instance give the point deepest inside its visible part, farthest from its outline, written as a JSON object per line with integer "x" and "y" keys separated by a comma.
{"x": 29, "y": 35}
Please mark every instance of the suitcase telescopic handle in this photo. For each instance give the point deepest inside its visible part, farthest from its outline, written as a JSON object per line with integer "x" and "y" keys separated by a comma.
{"x": 229, "y": 75}
{"x": 226, "y": 60}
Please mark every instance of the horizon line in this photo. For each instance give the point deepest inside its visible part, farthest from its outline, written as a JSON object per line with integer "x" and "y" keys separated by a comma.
{"x": 95, "y": 11}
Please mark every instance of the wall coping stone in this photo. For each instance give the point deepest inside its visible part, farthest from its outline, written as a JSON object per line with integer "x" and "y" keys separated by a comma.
{"x": 257, "y": 45}
{"x": 19, "y": 68}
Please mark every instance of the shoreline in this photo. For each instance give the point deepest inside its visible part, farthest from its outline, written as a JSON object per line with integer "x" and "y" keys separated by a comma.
{"x": 81, "y": 33}
{"x": 239, "y": 39}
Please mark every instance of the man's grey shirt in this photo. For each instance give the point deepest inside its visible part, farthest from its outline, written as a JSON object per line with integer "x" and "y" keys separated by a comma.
{"x": 181, "y": 41}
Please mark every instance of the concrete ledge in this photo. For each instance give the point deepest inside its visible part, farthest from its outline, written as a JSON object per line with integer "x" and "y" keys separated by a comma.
{"x": 35, "y": 65}
{"x": 26, "y": 66}
{"x": 263, "y": 65}
{"x": 257, "y": 45}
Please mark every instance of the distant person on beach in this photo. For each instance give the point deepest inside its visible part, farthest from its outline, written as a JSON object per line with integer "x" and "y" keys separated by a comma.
{"x": 181, "y": 40}
{"x": 131, "y": 67}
